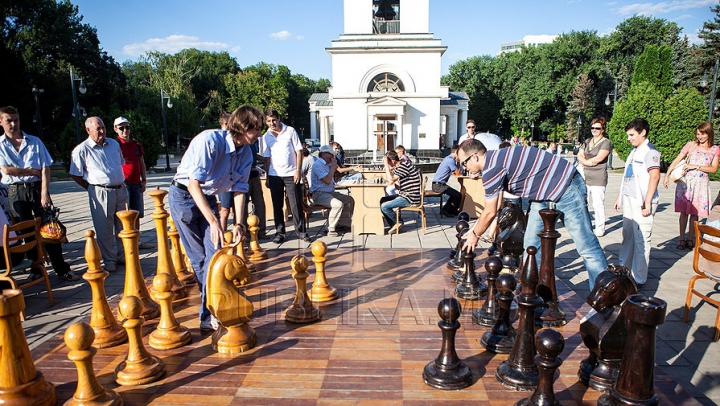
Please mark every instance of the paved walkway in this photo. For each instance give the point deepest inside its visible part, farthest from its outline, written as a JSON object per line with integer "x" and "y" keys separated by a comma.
{"x": 684, "y": 350}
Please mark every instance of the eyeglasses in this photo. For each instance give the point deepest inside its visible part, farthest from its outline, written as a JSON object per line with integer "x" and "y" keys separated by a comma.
{"x": 470, "y": 127}
{"x": 596, "y": 128}
{"x": 464, "y": 163}
{"x": 123, "y": 127}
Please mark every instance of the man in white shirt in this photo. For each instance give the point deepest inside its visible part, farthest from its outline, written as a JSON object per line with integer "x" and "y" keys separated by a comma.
{"x": 323, "y": 192}
{"x": 489, "y": 140}
{"x": 282, "y": 150}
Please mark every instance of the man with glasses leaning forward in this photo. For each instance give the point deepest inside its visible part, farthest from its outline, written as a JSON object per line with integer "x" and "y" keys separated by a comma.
{"x": 543, "y": 178}
{"x": 134, "y": 170}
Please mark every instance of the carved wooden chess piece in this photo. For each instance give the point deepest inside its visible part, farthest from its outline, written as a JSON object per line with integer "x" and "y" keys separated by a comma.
{"x": 258, "y": 254}
{"x": 169, "y": 333}
{"x": 139, "y": 367}
{"x": 20, "y": 382}
{"x": 108, "y": 331}
{"x": 239, "y": 250}
{"x": 459, "y": 273}
{"x": 447, "y": 371}
{"x": 321, "y": 291}
{"x": 470, "y": 288}
{"x": 226, "y": 273}
{"x": 549, "y": 344}
{"x": 177, "y": 255}
{"x": 79, "y": 338}
{"x": 511, "y": 223}
{"x": 604, "y": 328}
{"x": 461, "y": 216}
{"x": 501, "y": 337}
{"x": 456, "y": 262}
{"x": 487, "y": 315}
{"x": 519, "y": 372}
{"x": 634, "y": 385}
{"x": 302, "y": 309}
{"x": 164, "y": 262}
{"x": 134, "y": 278}
{"x": 548, "y": 314}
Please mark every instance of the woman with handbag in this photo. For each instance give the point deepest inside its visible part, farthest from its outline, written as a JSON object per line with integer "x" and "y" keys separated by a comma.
{"x": 692, "y": 193}
{"x": 593, "y": 159}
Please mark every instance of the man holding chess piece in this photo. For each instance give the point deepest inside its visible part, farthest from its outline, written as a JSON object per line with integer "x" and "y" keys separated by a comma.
{"x": 96, "y": 165}
{"x": 323, "y": 192}
{"x": 523, "y": 171}
{"x": 25, "y": 165}
{"x": 216, "y": 161}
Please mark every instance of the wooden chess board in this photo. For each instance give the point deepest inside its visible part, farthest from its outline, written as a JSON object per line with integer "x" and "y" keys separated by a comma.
{"x": 369, "y": 348}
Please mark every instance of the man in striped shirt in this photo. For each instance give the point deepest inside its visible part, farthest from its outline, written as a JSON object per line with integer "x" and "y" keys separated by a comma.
{"x": 543, "y": 178}
{"x": 407, "y": 178}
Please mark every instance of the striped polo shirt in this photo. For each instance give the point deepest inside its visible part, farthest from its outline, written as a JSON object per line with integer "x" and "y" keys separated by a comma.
{"x": 527, "y": 172}
{"x": 410, "y": 183}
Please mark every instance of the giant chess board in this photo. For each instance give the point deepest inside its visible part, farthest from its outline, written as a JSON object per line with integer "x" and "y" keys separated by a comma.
{"x": 370, "y": 347}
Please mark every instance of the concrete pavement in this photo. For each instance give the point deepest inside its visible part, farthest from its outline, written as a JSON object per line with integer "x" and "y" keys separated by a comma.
{"x": 684, "y": 350}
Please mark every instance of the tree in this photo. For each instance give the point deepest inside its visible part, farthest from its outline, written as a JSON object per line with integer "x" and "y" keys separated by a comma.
{"x": 262, "y": 85}
{"x": 654, "y": 65}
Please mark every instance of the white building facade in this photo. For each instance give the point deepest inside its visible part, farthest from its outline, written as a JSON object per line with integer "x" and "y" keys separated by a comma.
{"x": 386, "y": 82}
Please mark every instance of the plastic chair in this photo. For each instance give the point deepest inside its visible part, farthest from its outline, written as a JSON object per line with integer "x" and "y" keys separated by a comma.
{"x": 21, "y": 239}
{"x": 706, "y": 260}
{"x": 419, "y": 208}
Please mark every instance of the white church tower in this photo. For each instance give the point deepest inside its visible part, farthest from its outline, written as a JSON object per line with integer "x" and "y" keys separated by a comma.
{"x": 386, "y": 82}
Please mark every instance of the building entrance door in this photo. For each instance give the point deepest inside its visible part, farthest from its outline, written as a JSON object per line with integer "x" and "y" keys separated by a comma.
{"x": 385, "y": 133}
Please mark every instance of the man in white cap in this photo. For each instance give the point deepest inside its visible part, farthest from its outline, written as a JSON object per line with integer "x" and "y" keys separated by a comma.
{"x": 323, "y": 192}
{"x": 134, "y": 170}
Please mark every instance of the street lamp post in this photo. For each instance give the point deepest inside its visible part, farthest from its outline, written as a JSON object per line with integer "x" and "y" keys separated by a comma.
{"x": 704, "y": 82}
{"x": 614, "y": 100}
{"x": 38, "y": 119}
{"x": 579, "y": 126}
{"x": 165, "y": 133}
{"x": 76, "y": 106}
{"x": 532, "y": 131}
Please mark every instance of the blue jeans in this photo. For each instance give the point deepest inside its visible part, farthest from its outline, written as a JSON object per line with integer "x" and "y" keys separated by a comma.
{"x": 135, "y": 198}
{"x": 388, "y": 203}
{"x": 573, "y": 206}
{"x": 194, "y": 233}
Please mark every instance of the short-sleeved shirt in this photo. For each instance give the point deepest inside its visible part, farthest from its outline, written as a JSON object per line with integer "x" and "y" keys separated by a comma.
{"x": 98, "y": 164}
{"x": 32, "y": 155}
{"x": 306, "y": 170}
{"x": 526, "y": 172}
{"x": 132, "y": 152}
{"x": 445, "y": 169}
{"x": 489, "y": 140}
{"x": 640, "y": 162}
{"x": 320, "y": 169}
{"x": 596, "y": 175}
{"x": 409, "y": 180}
{"x": 213, "y": 160}
{"x": 282, "y": 151}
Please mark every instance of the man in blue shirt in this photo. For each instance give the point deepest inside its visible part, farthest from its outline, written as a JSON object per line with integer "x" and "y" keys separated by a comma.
{"x": 439, "y": 184}
{"x": 323, "y": 192}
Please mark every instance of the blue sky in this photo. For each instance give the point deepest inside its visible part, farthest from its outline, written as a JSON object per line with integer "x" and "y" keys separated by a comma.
{"x": 295, "y": 33}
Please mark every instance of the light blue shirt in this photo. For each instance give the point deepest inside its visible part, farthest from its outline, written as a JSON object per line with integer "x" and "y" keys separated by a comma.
{"x": 98, "y": 164}
{"x": 445, "y": 169}
{"x": 212, "y": 159}
{"x": 32, "y": 155}
{"x": 320, "y": 169}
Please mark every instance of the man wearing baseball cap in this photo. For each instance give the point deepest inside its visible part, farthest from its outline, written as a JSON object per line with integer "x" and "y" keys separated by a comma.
{"x": 323, "y": 192}
{"x": 133, "y": 169}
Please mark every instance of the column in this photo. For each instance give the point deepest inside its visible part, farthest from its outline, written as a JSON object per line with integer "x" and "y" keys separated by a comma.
{"x": 314, "y": 134}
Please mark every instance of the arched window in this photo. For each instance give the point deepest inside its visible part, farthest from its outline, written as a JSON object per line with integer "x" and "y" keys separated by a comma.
{"x": 386, "y": 82}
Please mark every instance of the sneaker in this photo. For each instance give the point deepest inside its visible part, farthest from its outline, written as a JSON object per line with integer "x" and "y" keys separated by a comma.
{"x": 68, "y": 277}
{"x": 333, "y": 234}
{"x": 279, "y": 239}
{"x": 308, "y": 239}
{"x": 210, "y": 324}
{"x": 145, "y": 246}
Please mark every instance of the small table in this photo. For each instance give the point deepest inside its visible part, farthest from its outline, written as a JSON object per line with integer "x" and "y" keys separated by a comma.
{"x": 269, "y": 214}
{"x": 367, "y": 217}
{"x": 473, "y": 196}
{"x": 373, "y": 174}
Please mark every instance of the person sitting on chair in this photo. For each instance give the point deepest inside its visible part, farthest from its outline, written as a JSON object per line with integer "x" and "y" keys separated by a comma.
{"x": 407, "y": 179}
{"x": 323, "y": 192}
{"x": 439, "y": 184}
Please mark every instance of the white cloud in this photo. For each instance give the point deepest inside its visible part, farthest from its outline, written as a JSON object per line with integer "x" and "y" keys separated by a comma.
{"x": 173, "y": 44}
{"x": 285, "y": 35}
{"x": 693, "y": 37}
{"x": 651, "y": 9}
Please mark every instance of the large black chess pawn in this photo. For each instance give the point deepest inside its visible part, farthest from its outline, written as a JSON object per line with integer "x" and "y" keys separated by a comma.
{"x": 634, "y": 385}
{"x": 461, "y": 216}
{"x": 447, "y": 371}
{"x": 519, "y": 372}
{"x": 470, "y": 287}
{"x": 549, "y": 344}
{"x": 456, "y": 262}
{"x": 548, "y": 314}
{"x": 501, "y": 337}
{"x": 487, "y": 315}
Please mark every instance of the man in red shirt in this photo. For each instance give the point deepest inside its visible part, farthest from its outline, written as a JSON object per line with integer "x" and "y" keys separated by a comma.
{"x": 134, "y": 170}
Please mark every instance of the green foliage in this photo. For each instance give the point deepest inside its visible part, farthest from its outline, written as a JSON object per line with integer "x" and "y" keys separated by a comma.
{"x": 262, "y": 85}
{"x": 643, "y": 101}
{"x": 654, "y": 65}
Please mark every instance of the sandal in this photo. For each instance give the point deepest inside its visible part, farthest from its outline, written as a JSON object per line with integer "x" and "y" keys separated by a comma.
{"x": 681, "y": 245}
{"x": 690, "y": 244}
